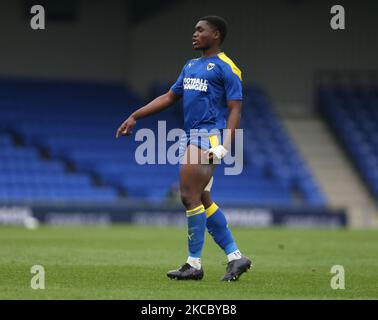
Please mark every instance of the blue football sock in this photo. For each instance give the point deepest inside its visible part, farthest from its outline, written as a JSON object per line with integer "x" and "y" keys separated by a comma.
{"x": 196, "y": 230}
{"x": 217, "y": 226}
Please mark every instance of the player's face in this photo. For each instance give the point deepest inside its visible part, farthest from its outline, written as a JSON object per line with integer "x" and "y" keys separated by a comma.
{"x": 204, "y": 36}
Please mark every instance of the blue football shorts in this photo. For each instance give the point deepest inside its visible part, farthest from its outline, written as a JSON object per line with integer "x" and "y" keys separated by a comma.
{"x": 203, "y": 140}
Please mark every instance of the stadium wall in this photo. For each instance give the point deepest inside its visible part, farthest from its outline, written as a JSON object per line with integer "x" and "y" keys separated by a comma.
{"x": 278, "y": 43}
{"x": 92, "y": 47}
{"x": 146, "y": 214}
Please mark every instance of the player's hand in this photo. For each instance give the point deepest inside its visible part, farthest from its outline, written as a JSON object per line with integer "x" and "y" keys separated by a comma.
{"x": 126, "y": 127}
{"x": 216, "y": 153}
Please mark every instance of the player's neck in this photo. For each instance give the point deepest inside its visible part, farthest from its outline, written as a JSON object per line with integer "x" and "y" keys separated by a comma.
{"x": 211, "y": 52}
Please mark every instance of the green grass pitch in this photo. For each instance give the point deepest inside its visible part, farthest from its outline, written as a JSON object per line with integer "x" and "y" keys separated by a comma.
{"x": 130, "y": 262}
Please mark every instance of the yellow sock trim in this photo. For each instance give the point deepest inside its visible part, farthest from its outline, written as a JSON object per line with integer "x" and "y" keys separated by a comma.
{"x": 211, "y": 210}
{"x": 196, "y": 210}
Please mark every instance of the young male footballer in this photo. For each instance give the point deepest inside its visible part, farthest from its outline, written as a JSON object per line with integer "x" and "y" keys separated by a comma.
{"x": 212, "y": 98}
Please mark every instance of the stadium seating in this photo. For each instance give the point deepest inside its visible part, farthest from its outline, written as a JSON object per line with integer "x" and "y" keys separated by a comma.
{"x": 352, "y": 112}
{"x": 75, "y": 124}
{"x": 26, "y": 177}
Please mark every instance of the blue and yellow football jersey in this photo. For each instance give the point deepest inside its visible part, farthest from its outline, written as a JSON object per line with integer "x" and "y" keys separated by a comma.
{"x": 206, "y": 84}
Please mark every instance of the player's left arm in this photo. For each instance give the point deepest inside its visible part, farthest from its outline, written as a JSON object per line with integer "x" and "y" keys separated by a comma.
{"x": 233, "y": 123}
{"x": 234, "y": 94}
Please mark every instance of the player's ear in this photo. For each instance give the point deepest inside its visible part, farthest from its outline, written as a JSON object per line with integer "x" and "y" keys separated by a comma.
{"x": 216, "y": 34}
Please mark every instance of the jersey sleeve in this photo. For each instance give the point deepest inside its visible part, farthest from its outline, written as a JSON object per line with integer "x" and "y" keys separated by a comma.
{"x": 177, "y": 87}
{"x": 232, "y": 83}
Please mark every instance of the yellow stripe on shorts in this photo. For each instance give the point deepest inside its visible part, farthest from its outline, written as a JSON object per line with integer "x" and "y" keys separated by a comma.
{"x": 214, "y": 141}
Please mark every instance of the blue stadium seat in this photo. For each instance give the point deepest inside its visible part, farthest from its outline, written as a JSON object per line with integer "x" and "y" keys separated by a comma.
{"x": 48, "y": 116}
{"x": 352, "y": 113}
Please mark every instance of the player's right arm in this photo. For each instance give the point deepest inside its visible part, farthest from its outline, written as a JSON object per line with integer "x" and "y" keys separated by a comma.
{"x": 158, "y": 104}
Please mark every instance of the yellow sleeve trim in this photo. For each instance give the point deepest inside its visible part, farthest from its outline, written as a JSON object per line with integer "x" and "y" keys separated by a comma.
{"x": 211, "y": 210}
{"x": 233, "y": 66}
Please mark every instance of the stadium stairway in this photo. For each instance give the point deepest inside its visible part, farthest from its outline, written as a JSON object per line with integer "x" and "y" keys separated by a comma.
{"x": 333, "y": 169}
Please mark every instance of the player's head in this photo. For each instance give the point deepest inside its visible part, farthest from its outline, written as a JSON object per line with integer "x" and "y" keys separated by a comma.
{"x": 209, "y": 31}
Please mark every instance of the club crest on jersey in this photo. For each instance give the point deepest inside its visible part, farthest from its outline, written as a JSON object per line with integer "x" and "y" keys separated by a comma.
{"x": 210, "y": 66}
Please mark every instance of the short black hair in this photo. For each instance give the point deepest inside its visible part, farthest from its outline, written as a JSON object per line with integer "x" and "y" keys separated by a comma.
{"x": 218, "y": 23}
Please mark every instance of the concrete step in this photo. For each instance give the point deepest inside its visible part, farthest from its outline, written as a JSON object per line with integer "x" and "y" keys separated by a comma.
{"x": 337, "y": 175}
{"x": 333, "y": 170}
